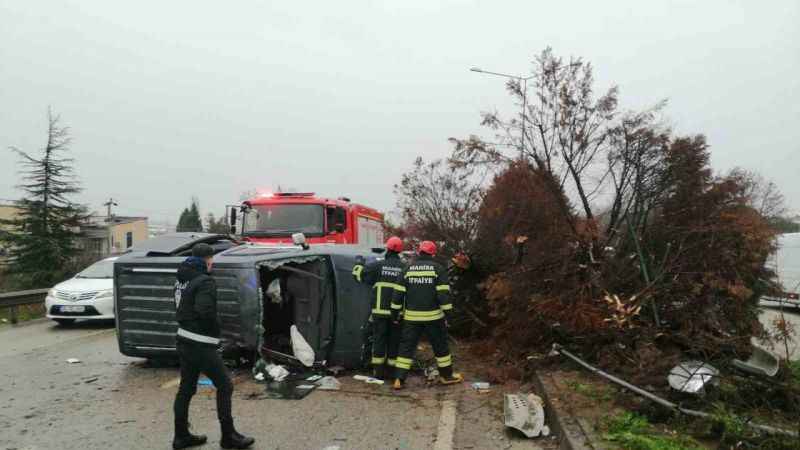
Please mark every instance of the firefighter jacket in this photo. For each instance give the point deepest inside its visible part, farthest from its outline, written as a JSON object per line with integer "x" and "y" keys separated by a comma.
{"x": 384, "y": 276}
{"x": 196, "y": 303}
{"x": 425, "y": 290}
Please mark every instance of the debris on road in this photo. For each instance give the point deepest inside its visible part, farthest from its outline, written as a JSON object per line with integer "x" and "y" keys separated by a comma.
{"x": 526, "y": 414}
{"x": 366, "y": 379}
{"x": 329, "y": 384}
{"x": 692, "y": 377}
{"x": 481, "y": 386}
{"x": 73, "y": 360}
{"x": 204, "y": 382}
{"x": 431, "y": 373}
{"x": 277, "y": 373}
{"x": 91, "y": 380}
{"x": 761, "y": 362}
{"x": 289, "y": 389}
{"x": 263, "y": 371}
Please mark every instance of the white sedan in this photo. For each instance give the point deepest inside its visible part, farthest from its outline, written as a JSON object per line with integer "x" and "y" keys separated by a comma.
{"x": 90, "y": 295}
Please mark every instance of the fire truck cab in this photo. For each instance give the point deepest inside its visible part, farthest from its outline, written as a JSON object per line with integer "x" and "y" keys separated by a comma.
{"x": 273, "y": 218}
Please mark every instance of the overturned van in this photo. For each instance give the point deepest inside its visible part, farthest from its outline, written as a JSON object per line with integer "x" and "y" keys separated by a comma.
{"x": 261, "y": 292}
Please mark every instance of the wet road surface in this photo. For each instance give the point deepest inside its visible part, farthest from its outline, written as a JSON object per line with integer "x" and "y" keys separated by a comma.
{"x": 109, "y": 401}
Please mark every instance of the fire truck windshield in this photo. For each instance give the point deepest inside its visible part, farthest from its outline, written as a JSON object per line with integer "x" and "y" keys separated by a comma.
{"x": 283, "y": 220}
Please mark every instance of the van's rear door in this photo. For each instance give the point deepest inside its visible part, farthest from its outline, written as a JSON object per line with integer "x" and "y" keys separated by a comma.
{"x": 145, "y": 304}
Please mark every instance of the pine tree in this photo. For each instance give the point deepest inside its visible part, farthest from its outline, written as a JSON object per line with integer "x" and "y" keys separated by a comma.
{"x": 42, "y": 238}
{"x": 217, "y": 226}
{"x": 182, "y": 221}
{"x": 190, "y": 220}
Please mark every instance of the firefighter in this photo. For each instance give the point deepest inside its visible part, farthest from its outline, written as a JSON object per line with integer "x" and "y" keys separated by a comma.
{"x": 384, "y": 277}
{"x": 426, "y": 293}
{"x": 197, "y": 341}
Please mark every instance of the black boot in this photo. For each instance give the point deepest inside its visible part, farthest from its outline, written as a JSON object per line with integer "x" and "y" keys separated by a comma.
{"x": 188, "y": 440}
{"x": 232, "y": 439}
{"x": 379, "y": 372}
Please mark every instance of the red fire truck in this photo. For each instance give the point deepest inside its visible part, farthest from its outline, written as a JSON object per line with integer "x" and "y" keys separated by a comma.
{"x": 273, "y": 217}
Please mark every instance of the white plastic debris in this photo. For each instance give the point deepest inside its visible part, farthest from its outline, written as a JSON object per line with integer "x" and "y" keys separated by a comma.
{"x": 526, "y": 414}
{"x": 329, "y": 384}
{"x": 761, "y": 362}
{"x": 368, "y": 380}
{"x": 314, "y": 378}
{"x": 692, "y": 376}
{"x": 259, "y": 376}
{"x": 274, "y": 291}
{"x": 302, "y": 351}
{"x": 277, "y": 373}
{"x": 73, "y": 360}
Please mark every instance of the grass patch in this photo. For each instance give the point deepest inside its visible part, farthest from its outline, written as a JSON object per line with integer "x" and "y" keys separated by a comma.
{"x": 794, "y": 369}
{"x": 25, "y": 312}
{"x": 590, "y": 391}
{"x": 633, "y": 432}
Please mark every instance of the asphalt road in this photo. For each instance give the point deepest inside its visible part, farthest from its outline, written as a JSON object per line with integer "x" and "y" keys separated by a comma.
{"x": 109, "y": 401}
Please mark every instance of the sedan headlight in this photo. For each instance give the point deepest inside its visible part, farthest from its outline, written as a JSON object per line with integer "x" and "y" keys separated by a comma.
{"x": 51, "y": 292}
{"x": 105, "y": 294}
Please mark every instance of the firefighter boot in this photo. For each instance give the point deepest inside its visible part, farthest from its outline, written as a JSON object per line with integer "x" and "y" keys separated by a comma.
{"x": 399, "y": 384}
{"x": 379, "y": 372}
{"x": 446, "y": 376}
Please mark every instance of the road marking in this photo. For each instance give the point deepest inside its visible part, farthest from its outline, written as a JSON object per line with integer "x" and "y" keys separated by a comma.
{"x": 447, "y": 426}
{"x": 171, "y": 383}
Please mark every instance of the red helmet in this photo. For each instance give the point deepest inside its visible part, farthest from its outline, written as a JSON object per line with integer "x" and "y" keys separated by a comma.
{"x": 427, "y": 247}
{"x": 394, "y": 244}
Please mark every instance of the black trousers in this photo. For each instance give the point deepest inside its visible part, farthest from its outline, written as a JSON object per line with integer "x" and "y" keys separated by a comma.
{"x": 385, "y": 341}
{"x": 196, "y": 359}
{"x": 436, "y": 332}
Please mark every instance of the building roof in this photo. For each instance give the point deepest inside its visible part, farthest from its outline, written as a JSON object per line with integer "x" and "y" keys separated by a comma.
{"x": 115, "y": 220}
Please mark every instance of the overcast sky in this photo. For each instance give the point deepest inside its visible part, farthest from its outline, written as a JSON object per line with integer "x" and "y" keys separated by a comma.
{"x": 173, "y": 99}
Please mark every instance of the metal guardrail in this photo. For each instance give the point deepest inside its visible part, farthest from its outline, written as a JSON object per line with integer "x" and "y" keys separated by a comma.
{"x": 20, "y": 298}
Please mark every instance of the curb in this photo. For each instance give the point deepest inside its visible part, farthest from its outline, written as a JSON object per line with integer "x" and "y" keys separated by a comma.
{"x": 571, "y": 435}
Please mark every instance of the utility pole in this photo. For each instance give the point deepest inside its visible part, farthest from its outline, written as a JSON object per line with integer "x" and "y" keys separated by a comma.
{"x": 108, "y": 205}
{"x": 523, "y": 82}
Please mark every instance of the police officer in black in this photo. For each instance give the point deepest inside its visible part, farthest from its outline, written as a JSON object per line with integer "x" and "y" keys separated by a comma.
{"x": 197, "y": 341}
{"x": 384, "y": 276}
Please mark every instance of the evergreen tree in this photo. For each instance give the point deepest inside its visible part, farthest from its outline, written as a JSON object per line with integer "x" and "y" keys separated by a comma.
{"x": 42, "y": 238}
{"x": 218, "y": 226}
{"x": 182, "y": 220}
{"x": 190, "y": 219}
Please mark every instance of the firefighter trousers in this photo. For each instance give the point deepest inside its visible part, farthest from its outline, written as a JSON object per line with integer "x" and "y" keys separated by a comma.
{"x": 436, "y": 332}
{"x": 386, "y": 340}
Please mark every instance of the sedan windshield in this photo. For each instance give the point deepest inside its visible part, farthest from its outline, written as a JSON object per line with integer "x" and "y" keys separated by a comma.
{"x": 283, "y": 220}
{"x": 102, "y": 269}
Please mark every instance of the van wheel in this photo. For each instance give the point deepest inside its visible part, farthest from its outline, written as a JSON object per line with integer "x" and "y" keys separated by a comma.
{"x": 64, "y": 322}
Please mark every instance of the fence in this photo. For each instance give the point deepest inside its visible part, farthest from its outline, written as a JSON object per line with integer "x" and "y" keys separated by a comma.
{"x": 20, "y": 298}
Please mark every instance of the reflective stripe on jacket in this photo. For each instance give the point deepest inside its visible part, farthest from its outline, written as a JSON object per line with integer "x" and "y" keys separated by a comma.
{"x": 426, "y": 293}
{"x": 384, "y": 276}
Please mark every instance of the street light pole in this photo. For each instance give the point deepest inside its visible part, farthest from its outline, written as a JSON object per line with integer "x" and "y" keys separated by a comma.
{"x": 524, "y": 85}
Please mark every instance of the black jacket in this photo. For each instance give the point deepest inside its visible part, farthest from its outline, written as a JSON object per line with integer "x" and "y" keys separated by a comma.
{"x": 196, "y": 303}
{"x": 384, "y": 276}
{"x": 425, "y": 290}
